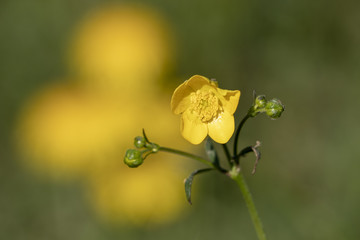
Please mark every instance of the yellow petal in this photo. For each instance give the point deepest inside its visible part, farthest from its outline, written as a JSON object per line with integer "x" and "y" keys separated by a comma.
{"x": 180, "y": 100}
{"x": 222, "y": 128}
{"x": 230, "y": 99}
{"x": 196, "y": 82}
{"x": 192, "y": 129}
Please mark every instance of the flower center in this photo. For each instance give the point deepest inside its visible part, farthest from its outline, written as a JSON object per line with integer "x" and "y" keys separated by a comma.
{"x": 205, "y": 104}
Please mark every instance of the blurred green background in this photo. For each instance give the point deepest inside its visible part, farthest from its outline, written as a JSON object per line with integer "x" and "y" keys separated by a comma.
{"x": 306, "y": 53}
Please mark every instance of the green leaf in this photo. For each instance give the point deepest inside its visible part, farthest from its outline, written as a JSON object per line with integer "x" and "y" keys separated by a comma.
{"x": 188, "y": 182}
{"x": 211, "y": 152}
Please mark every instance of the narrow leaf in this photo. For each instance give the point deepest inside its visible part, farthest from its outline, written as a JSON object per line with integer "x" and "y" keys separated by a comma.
{"x": 188, "y": 182}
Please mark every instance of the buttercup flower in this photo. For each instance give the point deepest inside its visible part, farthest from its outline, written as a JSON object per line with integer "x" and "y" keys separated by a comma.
{"x": 205, "y": 109}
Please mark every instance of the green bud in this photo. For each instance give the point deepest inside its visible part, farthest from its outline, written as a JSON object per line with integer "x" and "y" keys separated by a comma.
{"x": 260, "y": 102}
{"x": 139, "y": 142}
{"x": 133, "y": 158}
{"x": 274, "y": 108}
{"x": 258, "y": 106}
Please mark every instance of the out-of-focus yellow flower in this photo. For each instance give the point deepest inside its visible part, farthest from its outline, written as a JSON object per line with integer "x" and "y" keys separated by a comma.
{"x": 64, "y": 131}
{"x": 121, "y": 49}
{"x": 205, "y": 109}
{"x": 118, "y": 53}
{"x": 150, "y": 195}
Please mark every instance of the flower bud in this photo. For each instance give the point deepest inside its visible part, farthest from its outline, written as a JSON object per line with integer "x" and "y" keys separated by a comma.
{"x": 274, "y": 108}
{"x": 258, "y": 106}
{"x": 139, "y": 142}
{"x": 260, "y": 102}
{"x": 133, "y": 158}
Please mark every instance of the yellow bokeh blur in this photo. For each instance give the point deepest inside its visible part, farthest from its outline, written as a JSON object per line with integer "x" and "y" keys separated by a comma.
{"x": 65, "y": 131}
{"x": 146, "y": 196}
{"x": 121, "y": 48}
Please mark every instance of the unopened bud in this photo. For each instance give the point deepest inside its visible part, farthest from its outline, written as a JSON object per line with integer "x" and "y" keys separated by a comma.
{"x": 139, "y": 142}
{"x": 274, "y": 108}
{"x": 258, "y": 106}
{"x": 133, "y": 158}
{"x": 260, "y": 102}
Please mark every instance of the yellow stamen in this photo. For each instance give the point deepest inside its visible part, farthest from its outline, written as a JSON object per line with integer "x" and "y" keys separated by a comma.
{"x": 205, "y": 104}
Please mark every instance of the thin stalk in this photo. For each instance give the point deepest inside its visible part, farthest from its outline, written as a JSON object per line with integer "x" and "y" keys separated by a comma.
{"x": 237, "y": 134}
{"x": 227, "y": 154}
{"x": 238, "y": 177}
{"x": 189, "y": 155}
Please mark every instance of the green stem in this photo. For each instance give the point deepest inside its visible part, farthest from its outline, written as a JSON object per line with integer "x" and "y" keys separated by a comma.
{"x": 189, "y": 155}
{"x": 227, "y": 154}
{"x": 238, "y": 177}
{"x": 237, "y": 134}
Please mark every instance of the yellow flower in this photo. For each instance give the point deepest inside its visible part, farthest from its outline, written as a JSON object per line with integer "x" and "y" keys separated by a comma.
{"x": 206, "y": 109}
{"x": 121, "y": 48}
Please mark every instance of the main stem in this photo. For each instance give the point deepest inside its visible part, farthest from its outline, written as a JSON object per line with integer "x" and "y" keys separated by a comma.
{"x": 238, "y": 177}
